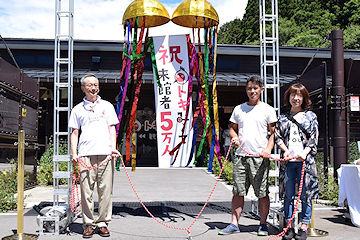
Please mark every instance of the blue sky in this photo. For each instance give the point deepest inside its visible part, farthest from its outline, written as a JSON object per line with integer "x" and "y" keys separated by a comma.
{"x": 93, "y": 19}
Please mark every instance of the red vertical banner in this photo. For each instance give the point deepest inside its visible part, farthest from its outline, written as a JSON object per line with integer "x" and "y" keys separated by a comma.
{"x": 172, "y": 62}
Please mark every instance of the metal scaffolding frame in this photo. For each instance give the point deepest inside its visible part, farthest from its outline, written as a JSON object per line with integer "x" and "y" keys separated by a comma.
{"x": 269, "y": 43}
{"x": 57, "y": 217}
{"x": 269, "y": 72}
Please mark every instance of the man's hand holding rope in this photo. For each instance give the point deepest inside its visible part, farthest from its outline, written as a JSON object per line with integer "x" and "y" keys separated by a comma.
{"x": 75, "y": 159}
{"x": 115, "y": 153}
{"x": 265, "y": 153}
{"x": 235, "y": 141}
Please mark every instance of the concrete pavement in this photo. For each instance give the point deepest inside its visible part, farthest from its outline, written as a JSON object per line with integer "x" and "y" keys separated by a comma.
{"x": 175, "y": 197}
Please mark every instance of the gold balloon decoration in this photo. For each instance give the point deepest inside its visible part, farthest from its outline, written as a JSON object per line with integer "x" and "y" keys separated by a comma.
{"x": 153, "y": 11}
{"x": 200, "y": 14}
{"x": 195, "y": 13}
{"x": 139, "y": 16}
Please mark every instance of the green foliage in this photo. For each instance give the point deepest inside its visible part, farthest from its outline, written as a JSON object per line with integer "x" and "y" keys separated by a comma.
{"x": 271, "y": 180}
{"x": 227, "y": 173}
{"x": 45, "y": 164}
{"x": 288, "y": 29}
{"x": 230, "y": 32}
{"x": 350, "y": 13}
{"x": 302, "y": 23}
{"x": 8, "y": 186}
{"x": 329, "y": 189}
{"x": 353, "y": 152}
{"x": 250, "y": 24}
{"x": 352, "y": 36}
{"x": 305, "y": 38}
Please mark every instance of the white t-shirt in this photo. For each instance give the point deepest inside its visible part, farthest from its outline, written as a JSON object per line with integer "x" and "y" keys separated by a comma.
{"x": 252, "y": 124}
{"x": 295, "y": 144}
{"x": 94, "y": 120}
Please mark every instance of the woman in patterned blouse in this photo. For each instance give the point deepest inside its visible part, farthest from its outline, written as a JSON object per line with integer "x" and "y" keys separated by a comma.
{"x": 298, "y": 141}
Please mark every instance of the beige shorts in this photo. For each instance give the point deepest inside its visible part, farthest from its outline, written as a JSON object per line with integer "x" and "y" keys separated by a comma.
{"x": 251, "y": 171}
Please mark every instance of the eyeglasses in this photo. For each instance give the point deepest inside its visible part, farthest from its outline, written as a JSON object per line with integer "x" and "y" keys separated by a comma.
{"x": 299, "y": 95}
{"x": 90, "y": 85}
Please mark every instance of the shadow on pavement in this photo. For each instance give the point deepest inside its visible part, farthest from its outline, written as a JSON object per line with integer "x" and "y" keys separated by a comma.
{"x": 338, "y": 217}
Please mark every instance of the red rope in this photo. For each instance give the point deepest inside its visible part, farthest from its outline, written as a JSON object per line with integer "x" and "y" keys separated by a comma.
{"x": 196, "y": 218}
{"x": 296, "y": 205}
{"x": 74, "y": 191}
{"x": 74, "y": 188}
{"x": 299, "y": 193}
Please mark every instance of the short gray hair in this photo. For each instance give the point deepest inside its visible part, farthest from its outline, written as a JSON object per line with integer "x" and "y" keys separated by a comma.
{"x": 82, "y": 80}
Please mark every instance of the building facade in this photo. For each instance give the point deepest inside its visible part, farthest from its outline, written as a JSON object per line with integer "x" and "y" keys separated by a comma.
{"x": 235, "y": 63}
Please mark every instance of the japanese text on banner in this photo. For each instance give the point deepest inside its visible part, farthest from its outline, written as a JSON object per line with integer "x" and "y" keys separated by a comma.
{"x": 171, "y": 99}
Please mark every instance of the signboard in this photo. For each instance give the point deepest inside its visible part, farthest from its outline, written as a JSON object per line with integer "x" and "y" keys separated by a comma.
{"x": 171, "y": 99}
{"x": 354, "y": 103}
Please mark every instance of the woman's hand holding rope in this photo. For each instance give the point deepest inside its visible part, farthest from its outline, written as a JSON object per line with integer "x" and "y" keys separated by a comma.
{"x": 266, "y": 153}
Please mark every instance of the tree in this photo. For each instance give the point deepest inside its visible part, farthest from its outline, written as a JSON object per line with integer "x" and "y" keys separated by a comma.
{"x": 288, "y": 29}
{"x": 250, "y": 23}
{"x": 352, "y": 37}
{"x": 351, "y": 13}
{"x": 302, "y": 23}
{"x": 230, "y": 32}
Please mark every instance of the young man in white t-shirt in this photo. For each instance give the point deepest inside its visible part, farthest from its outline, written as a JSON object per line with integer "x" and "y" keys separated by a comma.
{"x": 250, "y": 124}
{"x": 96, "y": 118}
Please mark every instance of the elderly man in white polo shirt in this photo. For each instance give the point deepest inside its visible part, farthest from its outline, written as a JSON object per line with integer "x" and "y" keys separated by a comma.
{"x": 96, "y": 118}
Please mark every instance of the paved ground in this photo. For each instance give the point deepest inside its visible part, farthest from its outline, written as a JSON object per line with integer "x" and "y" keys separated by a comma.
{"x": 175, "y": 197}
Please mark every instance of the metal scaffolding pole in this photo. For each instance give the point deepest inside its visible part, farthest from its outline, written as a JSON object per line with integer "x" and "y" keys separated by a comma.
{"x": 57, "y": 217}
{"x": 269, "y": 72}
